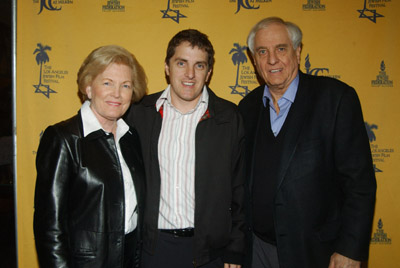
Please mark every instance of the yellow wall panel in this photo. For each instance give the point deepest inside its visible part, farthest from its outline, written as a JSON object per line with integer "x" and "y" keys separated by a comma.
{"x": 337, "y": 42}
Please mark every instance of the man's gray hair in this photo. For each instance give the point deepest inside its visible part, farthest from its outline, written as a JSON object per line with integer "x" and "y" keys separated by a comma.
{"x": 294, "y": 31}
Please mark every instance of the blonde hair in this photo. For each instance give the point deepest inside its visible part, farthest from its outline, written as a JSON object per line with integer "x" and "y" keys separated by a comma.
{"x": 100, "y": 58}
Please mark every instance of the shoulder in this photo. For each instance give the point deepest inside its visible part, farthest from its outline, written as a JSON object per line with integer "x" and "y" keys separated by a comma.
{"x": 219, "y": 102}
{"x": 220, "y": 106}
{"x": 323, "y": 83}
{"x": 225, "y": 113}
{"x": 68, "y": 127}
{"x": 251, "y": 103}
{"x": 255, "y": 96}
{"x": 149, "y": 100}
{"x": 141, "y": 110}
{"x": 59, "y": 138}
{"x": 326, "y": 89}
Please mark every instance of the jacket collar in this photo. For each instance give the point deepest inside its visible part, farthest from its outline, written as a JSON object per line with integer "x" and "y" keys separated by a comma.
{"x": 91, "y": 123}
{"x": 215, "y": 110}
{"x": 166, "y": 97}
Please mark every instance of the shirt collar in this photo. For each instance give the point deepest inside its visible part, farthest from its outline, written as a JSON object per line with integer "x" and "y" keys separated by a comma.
{"x": 91, "y": 124}
{"x": 289, "y": 95}
{"x": 166, "y": 96}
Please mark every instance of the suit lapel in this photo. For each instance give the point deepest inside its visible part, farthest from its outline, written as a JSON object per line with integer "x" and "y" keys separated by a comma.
{"x": 298, "y": 113}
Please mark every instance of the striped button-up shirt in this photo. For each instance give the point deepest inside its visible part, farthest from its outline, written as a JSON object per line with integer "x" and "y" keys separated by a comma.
{"x": 176, "y": 155}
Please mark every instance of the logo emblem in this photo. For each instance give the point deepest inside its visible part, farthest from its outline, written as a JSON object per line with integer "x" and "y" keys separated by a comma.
{"x": 248, "y": 4}
{"x": 244, "y": 74}
{"x": 245, "y": 4}
{"x": 314, "y": 71}
{"x": 41, "y": 59}
{"x": 370, "y": 132}
{"x": 380, "y": 237}
{"x": 370, "y": 14}
{"x": 114, "y": 6}
{"x": 379, "y": 154}
{"x": 47, "y": 4}
{"x": 318, "y": 70}
{"x": 372, "y": 138}
{"x": 52, "y": 5}
{"x": 382, "y": 79}
{"x": 313, "y": 5}
{"x": 173, "y": 14}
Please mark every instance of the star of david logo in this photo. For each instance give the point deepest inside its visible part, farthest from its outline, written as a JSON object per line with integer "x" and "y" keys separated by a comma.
{"x": 46, "y": 90}
{"x": 173, "y": 14}
{"x": 377, "y": 169}
{"x": 370, "y": 14}
{"x": 241, "y": 93}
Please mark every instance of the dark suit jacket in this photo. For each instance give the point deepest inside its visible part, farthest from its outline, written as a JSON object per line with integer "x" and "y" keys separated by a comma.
{"x": 79, "y": 215}
{"x": 219, "y": 178}
{"x": 325, "y": 195}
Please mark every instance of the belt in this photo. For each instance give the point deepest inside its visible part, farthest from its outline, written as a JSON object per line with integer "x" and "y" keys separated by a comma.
{"x": 187, "y": 232}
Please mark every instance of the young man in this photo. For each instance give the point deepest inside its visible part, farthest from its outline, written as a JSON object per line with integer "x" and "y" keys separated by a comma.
{"x": 193, "y": 149}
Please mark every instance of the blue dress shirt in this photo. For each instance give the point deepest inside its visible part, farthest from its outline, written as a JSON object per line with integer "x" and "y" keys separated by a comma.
{"x": 284, "y": 103}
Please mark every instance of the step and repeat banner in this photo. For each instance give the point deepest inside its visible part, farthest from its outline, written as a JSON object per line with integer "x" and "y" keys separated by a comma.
{"x": 355, "y": 41}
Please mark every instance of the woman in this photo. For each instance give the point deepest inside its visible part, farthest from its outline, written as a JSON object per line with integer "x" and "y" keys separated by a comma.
{"x": 90, "y": 176}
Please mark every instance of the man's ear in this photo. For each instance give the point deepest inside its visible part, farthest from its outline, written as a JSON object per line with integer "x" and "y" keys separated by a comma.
{"x": 298, "y": 53}
{"x": 166, "y": 68}
{"x": 208, "y": 75}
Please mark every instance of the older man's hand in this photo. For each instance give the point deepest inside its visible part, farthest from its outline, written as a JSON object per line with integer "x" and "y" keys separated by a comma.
{"x": 228, "y": 265}
{"x": 340, "y": 261}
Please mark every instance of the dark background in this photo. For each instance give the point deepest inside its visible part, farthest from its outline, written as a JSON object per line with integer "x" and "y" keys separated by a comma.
{"x": 7, "y": 220}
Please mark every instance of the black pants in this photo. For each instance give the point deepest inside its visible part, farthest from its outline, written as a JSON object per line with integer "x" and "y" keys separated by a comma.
{"x": 265, "y": 255}
{"x": 130, "y": 254}
{"x": 174, "y": 252}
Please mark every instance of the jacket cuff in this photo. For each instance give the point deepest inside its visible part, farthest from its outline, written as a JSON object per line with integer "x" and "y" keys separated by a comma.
{"x": 354, "y": 251}
{"x": 233, "y": 258}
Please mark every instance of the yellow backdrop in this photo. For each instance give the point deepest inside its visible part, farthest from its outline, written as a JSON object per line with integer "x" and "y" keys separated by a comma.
{"x": 355, "y": 41}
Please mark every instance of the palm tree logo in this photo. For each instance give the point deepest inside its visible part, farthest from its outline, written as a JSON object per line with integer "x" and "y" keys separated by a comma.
{"x": 238, "y": 57}
{"x": 371, "y": 136}
{"x": 370, "y": 131}
{"x": 42, "y": 58}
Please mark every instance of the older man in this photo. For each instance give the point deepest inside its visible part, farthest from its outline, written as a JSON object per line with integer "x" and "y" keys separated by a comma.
{"x": 310, "y": 170}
